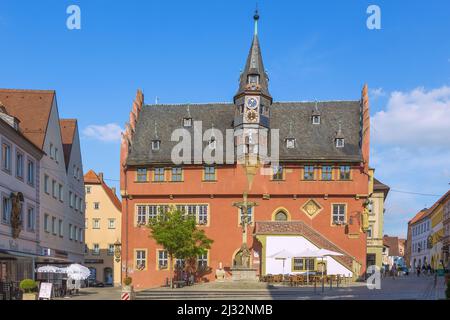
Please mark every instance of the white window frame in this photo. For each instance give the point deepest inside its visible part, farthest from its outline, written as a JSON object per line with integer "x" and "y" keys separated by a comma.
{"x": 163, "y": 259}
{"x": 20, "y": 165}
{"x": 110, "y": 250}
{"x": 31, "y": 172}
{"x": 6, "y": 209}
{"x": 61, "y": 228}
{"x": 31, "y": 219}
{"x": 339, "y": 213}
{"x": 6, "y": 156}
{"x": 95, "y": 249}
{"x": 54, "y": 226}
{"x": 96, "y": 223}
{"x": 202, "y": 260}
{"x": 111, "y": 223}
{"x": 141, "y": 259}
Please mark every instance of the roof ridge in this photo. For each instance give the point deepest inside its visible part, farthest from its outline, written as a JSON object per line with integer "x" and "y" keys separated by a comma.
{"x": 186, "y": 104}
{"x": 231, "y": 103}
{"x": 318, "y": 101}
{"x": 27, "y": 90}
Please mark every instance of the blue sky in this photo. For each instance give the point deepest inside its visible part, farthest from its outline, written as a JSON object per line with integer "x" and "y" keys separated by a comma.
{"x": 192, "y": 51}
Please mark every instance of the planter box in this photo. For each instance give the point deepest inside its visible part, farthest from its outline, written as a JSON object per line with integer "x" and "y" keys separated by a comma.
{"x": 29, "y": 296}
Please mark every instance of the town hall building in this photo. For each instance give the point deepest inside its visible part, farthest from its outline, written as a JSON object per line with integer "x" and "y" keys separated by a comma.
{"x": 314, "y": 195}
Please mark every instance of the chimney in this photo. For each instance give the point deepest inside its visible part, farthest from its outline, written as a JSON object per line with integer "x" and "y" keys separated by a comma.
{"x": 114, "y": 190}
{"x": 100, "y": 176}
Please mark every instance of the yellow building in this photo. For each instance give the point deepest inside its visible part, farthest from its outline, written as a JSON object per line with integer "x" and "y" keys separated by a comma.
{"x": 378, "y": 193}
{"x": 103, "y": 230}
{"x": 438, "y": 232}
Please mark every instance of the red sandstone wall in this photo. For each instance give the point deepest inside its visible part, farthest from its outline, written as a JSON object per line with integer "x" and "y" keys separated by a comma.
{"x": 223, "y": 219}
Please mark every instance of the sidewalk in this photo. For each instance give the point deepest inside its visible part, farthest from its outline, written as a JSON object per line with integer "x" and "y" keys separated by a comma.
{"x": 436, "y": 291}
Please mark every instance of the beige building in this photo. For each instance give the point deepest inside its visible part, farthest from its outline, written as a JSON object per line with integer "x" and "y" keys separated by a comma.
{"x": 103, "y": 228}
{"x": 379, "y": 192}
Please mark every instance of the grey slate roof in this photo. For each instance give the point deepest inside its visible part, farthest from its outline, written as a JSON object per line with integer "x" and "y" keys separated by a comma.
{"x": 313, "y": 142}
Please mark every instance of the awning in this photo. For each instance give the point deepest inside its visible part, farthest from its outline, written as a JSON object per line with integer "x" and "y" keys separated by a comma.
{"x": 52, "y": 260}
{"x": 17, "y": 254}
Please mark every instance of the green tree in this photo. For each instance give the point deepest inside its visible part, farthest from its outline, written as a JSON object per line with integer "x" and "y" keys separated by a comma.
{"x": 178, "y": 234}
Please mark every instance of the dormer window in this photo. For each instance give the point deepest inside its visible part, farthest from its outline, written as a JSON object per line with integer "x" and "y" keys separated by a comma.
{"x": 290, "y": 143}
{"x": 187, "y": 122}
{"x": 316, "y": 119}
{"x": 253, "y": 79}
{"x": 340, "y": 142}
{"x": 156, "y": 144}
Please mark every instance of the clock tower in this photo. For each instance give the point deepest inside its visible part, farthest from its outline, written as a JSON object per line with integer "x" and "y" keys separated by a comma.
{"x": 252, "y": 101}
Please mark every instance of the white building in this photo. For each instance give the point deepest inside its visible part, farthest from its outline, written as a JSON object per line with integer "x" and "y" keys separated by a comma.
{"x": 61, "y": 218}
{"x": 420, "y": 239}
{"x": 19, "y": 196}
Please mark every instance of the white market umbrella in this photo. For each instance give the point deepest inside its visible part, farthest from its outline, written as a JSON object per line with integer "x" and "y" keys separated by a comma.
{"x": 50, "y": 269}
{"x": 329, "y": 253}
{"x": 282, "y": 255}
{"x": 308, "y": 253}
{"x": 326, "y": 253}
{"x": 77, "y": 272}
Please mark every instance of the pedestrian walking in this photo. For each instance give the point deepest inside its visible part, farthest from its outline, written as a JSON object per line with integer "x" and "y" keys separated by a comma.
{"x": 418, "y": 271}
{"x": 394, "y": 270}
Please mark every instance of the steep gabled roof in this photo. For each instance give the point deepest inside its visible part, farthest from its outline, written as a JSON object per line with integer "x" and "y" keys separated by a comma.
{"x": 379, "y": 186}
{"x": 427, "y": 212}
{"x": 92, "y": 178}
{"x": 314, "y": 142}
{"x": 441, "y": 200}
{"x": 419, "y": 216}
{"x": 392, "y": 243}
{"x": 68, "y": 129}
{"x": 32, "y": 108}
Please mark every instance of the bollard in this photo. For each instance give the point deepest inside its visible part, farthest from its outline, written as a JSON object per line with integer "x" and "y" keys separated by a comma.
{"x": 323, "y": 284}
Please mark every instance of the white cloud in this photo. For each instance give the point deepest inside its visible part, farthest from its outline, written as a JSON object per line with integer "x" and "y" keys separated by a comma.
{"x": 376, "y": 93}
{"x": 108, "y": 133}
{"x": 415, "y": 119}
{"x": 411, "y": 152}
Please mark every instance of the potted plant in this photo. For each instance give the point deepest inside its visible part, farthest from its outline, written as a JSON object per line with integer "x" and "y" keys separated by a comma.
{"x": 127, "y": 287}
{"x": 28, "y": 286}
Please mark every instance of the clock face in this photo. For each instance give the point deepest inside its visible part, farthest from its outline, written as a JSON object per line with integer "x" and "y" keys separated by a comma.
{"x": 252, "y": 103}
{"x": 252, "y": 116}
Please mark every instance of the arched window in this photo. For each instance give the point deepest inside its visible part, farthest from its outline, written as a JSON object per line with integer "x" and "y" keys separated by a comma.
{"x": 281, "y": 216}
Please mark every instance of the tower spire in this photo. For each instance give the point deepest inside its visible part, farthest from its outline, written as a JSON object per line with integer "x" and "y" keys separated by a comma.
{"x": 254, "y": 77}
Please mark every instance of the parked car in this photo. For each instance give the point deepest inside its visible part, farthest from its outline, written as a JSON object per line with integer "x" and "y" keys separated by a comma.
{"x": 95, "y": 283}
